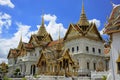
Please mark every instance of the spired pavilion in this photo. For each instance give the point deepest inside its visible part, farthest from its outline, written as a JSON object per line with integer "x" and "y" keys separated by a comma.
{"x": 57, "y": 61}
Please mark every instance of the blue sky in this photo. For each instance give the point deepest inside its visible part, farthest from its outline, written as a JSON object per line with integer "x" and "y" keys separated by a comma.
{"x": 24, "y": 16}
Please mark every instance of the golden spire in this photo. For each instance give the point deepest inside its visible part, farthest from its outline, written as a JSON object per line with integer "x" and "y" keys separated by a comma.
{"x": 21, "y": 38}
{"x": 42, "y": 21}
{"x": 59, "y": 45}
{"x": 59, "y": 34}
{"x": 42, "y": 31}
{"x": 20, "y": 42}
{"x": 82, "y": 12}
{"x": 83, "y": 19}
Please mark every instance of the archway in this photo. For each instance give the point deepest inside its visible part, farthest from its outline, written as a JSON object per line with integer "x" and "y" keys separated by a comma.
{"x": 32, "y": 71}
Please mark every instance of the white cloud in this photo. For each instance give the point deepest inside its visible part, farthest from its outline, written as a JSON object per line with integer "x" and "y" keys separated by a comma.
{"x": 3, "y": 60}
{"x": 5, "y": 21}
{"x": 23, "y": 30}
{"x": 6, "y": 44}
{"x": 53, "y": 27}
{"x": 97, "y": 22}
{"x": 7, "y": 3}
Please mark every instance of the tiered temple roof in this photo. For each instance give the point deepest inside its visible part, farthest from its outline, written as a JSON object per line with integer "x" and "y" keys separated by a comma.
{"x": 113, "y": 24}
{"x": 83, "y": 28}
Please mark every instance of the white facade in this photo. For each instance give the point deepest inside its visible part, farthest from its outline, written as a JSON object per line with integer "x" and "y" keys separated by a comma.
{"x": 24, "y": 63}
{"x": 115, "y": 52}
{"x": 89, "y": 60}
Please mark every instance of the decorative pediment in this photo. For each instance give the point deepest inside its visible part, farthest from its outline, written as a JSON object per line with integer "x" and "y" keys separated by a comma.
{"x": 72, "y": 32}
{"x": 93, "y": 32}
{"x": 41, "y": 58}
{"x": 67, "y": 55}
{"x": 48, "y": 38}
{"x": 31, "y": 40}
{"x": 13, "y": 53}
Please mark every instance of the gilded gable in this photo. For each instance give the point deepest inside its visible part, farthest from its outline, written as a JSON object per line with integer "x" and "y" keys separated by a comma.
{"x": 48, "y": 38}
{"x": 13, "y": 53}
{"x": 93, "y": 32}
{"x": 72, "y": 32}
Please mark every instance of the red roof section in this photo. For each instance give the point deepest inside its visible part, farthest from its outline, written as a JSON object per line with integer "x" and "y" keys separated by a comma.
{"x": 52, "y": 43}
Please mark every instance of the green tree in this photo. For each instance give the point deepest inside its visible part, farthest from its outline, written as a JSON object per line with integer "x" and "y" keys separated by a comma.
{"x": 104, "y": 78}
{"x": 17, "y": 71}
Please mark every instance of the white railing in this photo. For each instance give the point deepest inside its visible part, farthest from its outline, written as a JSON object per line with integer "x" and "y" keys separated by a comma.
{"x": 83, "y": 78}
{"x": 42, "y": 77}
{"x": 99, "y": 74}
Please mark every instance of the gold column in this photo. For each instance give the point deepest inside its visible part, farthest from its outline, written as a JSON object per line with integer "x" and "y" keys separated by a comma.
{"x": 68, "y": 66}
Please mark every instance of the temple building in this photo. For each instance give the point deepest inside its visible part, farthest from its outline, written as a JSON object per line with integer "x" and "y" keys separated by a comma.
{"x": 112, "y": 28}
{"x": 26, "y": 55}
{"x": 86, "y": 45}
{"x": 78, "y": 53}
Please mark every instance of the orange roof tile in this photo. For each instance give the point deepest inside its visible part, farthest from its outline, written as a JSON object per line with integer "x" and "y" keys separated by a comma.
{"x": 55, "y": 42}
{"x": 13, "y": 53}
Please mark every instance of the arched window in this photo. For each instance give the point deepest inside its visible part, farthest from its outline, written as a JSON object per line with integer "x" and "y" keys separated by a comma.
{"x": 99, "y": 51}
{"x": 88, "y": 67}
{"x": 94, "y": 66}
{"x": 60, "y": 65}
{"x": 87, "y": 48}
{"x": 33, "y": 69}
{"x": 77, "y": 48}
{"x": 72, "y": 49}
{"x": 93, "y": 49}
